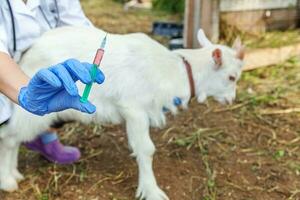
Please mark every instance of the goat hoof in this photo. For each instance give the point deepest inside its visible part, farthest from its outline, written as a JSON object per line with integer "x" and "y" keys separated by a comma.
{"x": 151, "y": 193}
{"x": 18, "y": 176}
{"x": 8, "y": 184}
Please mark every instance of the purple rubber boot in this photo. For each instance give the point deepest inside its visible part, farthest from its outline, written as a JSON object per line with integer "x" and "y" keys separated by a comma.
{"x": 50, "y": 147}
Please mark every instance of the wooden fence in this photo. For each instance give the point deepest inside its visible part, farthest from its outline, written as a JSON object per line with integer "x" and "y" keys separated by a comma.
{"x": 253, "y": 16}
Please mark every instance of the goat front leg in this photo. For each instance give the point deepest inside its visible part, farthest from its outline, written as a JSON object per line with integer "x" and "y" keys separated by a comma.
{"x": 137, "y": 127}
{"x": 7, "y": 179}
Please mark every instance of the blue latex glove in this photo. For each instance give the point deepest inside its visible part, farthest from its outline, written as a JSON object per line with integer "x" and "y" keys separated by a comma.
{"x": 54, "y": 89}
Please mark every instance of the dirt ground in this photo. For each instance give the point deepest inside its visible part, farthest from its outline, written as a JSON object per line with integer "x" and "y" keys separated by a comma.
{"x": 246, "y": 151}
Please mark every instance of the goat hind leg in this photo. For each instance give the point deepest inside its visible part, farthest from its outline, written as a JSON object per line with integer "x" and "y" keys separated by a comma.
{"x": 14, "y": 164}
{"x": 137, "y": 127}
{"x": 7, "y": 180}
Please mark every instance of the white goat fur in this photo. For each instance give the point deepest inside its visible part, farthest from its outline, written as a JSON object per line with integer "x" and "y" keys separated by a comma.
{"x": 142, "y": 77}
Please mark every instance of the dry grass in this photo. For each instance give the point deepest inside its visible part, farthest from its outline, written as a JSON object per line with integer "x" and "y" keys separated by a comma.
{"x": 272, "y": 39}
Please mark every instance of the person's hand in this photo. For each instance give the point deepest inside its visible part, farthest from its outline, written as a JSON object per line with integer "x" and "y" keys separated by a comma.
{"x": 54, "y": 89}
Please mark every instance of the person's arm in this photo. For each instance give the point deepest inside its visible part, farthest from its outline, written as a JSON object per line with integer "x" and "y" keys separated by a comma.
{"x": 12, "y": 78}
{"x": 51, "y": 89}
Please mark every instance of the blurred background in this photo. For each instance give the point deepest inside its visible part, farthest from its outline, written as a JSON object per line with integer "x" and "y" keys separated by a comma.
{"x": 261, "y": 23}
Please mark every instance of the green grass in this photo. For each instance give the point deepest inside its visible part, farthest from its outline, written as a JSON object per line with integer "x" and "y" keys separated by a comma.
{"x": 200, "y": 140}
{"x": 272, "y": 85}
{"x": 275, "y": 87}
{"x": 279, "y": 154}
{"x": 273, "y": 39}
{"x": 44, "y": 197}
{"x": 173, "y": 7}
{"x": 110, "y": 16}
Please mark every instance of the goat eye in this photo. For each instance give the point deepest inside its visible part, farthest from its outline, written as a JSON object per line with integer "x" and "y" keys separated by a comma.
{"x": 232, "y": 78}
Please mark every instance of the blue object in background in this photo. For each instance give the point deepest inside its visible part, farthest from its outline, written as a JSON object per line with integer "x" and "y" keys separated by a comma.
{"x": 174, "y": 31}
{"x": 169, "y": 29}
{"x": 176, "y": 43}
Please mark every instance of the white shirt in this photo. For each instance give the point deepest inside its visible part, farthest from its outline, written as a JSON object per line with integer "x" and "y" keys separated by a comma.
{"x": 33, "y": 19}
{"x": 5, "y": 109}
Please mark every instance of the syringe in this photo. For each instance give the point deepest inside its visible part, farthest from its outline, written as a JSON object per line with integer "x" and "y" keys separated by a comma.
{"x": 96, "y": 64}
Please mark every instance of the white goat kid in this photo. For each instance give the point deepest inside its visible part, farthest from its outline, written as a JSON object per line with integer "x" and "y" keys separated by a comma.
{"x": 142, "y": 78}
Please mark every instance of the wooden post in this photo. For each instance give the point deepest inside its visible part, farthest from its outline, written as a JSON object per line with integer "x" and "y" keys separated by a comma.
{"x": 298, "y": 14}
{"x": 210, "y": 18}
{"x": 201, "y": 14}
{"x": 188, "y": 23}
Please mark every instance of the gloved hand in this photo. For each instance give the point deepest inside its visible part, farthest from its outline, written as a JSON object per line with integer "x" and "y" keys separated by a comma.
{"x": 54, "y": 89}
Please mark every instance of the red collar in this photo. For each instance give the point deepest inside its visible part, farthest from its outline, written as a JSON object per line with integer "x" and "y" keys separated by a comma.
{"x": 189, "y": 71}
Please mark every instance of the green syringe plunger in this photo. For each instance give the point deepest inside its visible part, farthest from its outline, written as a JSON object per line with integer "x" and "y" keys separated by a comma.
{"x": 93, "y": 72}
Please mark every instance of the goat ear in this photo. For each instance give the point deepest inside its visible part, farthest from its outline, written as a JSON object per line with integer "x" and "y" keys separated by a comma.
{"x": 202, "y": 39}
{"x": 237, "y": 43}
{"x": 239, "y": 47}
{"x": 217, "y": 56}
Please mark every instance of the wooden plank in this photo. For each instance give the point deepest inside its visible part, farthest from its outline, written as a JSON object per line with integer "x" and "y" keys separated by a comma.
{"x": 256, "y": 22}
{"x": 282, "y": 19}
{"x": 210, "y": 18}
{"x": 270, "y": 56}
{"x": 201, "y": 14}
{"x": 241, "y": 5}
{"x": 188, "y": 21}
{"x": 298, "y": 8}
{"x": 215, "y": 21}
{"x": 197, "y": 22}
{"x": 280, "y": 112}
